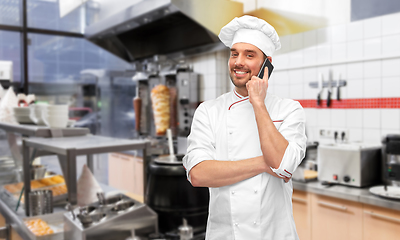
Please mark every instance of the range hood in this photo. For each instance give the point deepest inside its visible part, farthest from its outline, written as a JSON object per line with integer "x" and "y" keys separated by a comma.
{"x": 286, "y": 23}
{"x": 162, "y": 27}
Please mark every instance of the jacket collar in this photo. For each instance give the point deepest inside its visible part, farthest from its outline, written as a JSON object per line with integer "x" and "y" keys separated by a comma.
{"x": 237, "y": 96}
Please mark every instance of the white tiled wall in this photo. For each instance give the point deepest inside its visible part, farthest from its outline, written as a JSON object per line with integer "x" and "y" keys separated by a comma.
{"x": 214, "y": 77}
{"x": 365, "y": 53}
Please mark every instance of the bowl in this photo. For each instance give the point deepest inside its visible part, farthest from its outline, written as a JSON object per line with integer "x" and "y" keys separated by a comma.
{"x": 52, "y": 108}
{"x": 23, "y": 119}
{"x": 56, "y": 121}
{"x": 57, "y": 111}
{"x": 21, "y": 111}
{"x": 36, "y": 113}
{"x": 55, "y": 115}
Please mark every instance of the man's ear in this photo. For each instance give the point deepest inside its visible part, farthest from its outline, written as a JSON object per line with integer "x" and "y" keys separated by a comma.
{"x": 270, "y": 59}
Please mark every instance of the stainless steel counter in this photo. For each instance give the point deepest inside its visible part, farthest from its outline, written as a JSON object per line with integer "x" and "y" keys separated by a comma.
{"x": 16, "y": 218}
{"x": 67, "y": 149}
{"x": 361, "y": 195}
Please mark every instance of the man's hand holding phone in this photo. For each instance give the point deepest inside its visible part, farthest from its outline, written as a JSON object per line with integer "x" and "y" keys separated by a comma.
{"x": 258, "y": 85}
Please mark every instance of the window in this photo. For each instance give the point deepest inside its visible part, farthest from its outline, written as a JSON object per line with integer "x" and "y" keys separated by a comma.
{"x": 10, "y": 50}
{"x": 56, "y": 58}
{"x": 45, "y": 14}
{"x": 10, "y": 12}
{"x": 56, "y": 53}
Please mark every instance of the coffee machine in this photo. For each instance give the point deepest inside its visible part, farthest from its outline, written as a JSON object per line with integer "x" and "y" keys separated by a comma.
{"x": 391, "y": 160}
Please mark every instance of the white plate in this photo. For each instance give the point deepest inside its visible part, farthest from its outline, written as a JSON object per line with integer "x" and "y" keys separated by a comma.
{"x": 392, "y": 192}
{"x": 24, "y": 119}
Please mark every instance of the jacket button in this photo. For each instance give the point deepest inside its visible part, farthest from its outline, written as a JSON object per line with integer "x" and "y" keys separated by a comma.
{"x": 236, "y": 224}
{"x": 255, "y": 223}
{"x": 255, "y": 190}
{"x": 233, "y": 192}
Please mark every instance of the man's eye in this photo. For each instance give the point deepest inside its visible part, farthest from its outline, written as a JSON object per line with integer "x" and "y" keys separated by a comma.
{"x": 234, "y": 54}
{"x": 249, "y": 56}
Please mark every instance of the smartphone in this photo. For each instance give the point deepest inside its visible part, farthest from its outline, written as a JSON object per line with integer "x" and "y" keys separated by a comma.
{"x": 268, "y": 64}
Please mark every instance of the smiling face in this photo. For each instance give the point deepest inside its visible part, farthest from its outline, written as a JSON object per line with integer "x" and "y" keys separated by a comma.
{"x": 245, "y": 61}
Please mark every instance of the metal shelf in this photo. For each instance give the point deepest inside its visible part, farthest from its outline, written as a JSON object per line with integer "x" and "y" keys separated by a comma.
{"x": 41, "y": 131}
{"x": 26, "y": 130}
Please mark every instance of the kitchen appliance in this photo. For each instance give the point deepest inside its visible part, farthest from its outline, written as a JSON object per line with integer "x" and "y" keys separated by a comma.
{"x": 112, "y": 217}
{"x": 352, "y": 164}
{"x": 391, "y": 160}
{"x": 184, "y": 99}
{"x": 171, "y": 195}
{"x": 136, "y": 30}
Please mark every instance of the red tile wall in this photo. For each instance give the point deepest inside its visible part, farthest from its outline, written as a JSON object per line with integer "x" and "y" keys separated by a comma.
{"x": 353, "y": 103}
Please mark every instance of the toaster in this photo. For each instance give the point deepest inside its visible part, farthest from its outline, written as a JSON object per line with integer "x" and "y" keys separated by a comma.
{"x": 351, "y": 164}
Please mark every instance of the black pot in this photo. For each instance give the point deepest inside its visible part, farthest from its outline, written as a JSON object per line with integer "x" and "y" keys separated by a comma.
{"x": 171, "y": 195}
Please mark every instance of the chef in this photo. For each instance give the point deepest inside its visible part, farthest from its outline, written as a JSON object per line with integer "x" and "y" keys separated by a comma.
{"x": 246, "y": 144}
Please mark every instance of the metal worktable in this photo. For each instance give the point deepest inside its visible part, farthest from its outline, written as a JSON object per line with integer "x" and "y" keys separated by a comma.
{"x": 41, "y": 131}
{"x": 354, "y": 194}
{"x": 26, "y": 130}
{"x": 67, "y": 149}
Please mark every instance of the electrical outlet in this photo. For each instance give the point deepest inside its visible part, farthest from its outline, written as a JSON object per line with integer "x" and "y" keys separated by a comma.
{"x": 324, "y": 133}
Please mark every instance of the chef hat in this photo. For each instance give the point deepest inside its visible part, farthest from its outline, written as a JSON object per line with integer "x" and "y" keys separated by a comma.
{"x": 248, "y": 29}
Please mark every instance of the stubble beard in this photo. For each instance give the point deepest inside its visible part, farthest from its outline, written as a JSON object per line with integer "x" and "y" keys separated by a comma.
{"x": 237, "y": 84}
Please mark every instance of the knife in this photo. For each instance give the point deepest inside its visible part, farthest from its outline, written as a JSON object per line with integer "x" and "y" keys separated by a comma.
{"x": 328, "y": 99}
{"x": 321, "y": 88}
{"x": 338, "y": 88}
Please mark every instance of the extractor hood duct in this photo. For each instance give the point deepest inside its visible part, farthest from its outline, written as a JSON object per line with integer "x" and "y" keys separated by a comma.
{"x": 162, "y": 27}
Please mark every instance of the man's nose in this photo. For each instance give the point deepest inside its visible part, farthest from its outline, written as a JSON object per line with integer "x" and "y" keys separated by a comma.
{"x": 239, "y": 61}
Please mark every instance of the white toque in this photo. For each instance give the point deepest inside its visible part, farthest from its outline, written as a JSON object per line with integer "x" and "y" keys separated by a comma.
{"x": 253, "y": 30}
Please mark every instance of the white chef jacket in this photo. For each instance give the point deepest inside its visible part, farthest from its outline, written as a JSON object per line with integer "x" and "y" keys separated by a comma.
{"x": 259, "y": 207}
